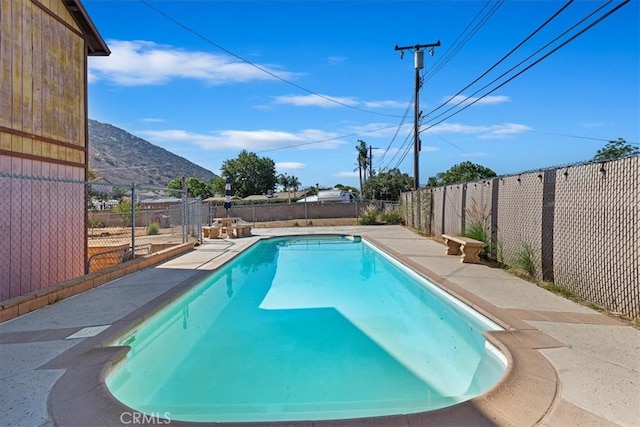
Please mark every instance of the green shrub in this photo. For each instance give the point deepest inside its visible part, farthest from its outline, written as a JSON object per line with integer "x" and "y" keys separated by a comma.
{"x": 369, "y": 215}
{"x": 478, "y": 225}
{"x": 525, "y": 259}
{"x": 391, "y": 216}
{"x": 478, "y": 231}
{"x": 153, "y": 229}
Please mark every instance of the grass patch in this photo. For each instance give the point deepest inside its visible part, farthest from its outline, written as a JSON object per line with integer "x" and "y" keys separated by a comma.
{"x": 560, "y": 290}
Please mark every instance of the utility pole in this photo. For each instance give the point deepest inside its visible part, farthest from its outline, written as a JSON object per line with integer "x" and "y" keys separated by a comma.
{"x": 371, "y": 160}
{"x": 419, "y": 65}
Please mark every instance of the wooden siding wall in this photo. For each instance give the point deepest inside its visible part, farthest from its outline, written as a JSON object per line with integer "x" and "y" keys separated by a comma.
{"x": 42, "y": 90}
{"x": 43, "y": 133}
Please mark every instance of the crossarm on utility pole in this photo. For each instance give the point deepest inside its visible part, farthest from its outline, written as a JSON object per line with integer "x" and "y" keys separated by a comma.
{"x": 419, "y": 56}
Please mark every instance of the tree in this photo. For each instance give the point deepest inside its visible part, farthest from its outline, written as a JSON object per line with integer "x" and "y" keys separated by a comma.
{"x": 91, "y": 174}
{"x": 250, "y": 174}
{"x": 288, "y": 183}
{"x": 123, "y": 209}
{"x": 294, "y": 183}
{"x": 195, "y": 188}
{"x": 347, "y": 188}
{"x": 363, "y": 161}
{"x": 217, "y": 185}
{"x": 387, "y": 185}
{"x": 462, "y": 172}
{"x": 284, "y": 181}
{"x": 615, "y": 150}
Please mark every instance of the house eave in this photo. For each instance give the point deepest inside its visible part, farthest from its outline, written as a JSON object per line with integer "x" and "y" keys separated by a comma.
{"x": 96, "y": 45}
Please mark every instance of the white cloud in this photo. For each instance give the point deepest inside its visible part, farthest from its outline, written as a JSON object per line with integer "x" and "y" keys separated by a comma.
{"x": 255, "y": 140}
{"x": 347, "y": 174}
{"x": 503, "y": 130}
{"x": 314, "y": 101}
{"x": 481, "y": 132}
{"x": 378, "y": 130}
{"x": 385, "y": 104}
{"x": 140, "y": 62}
{"x": 487, "y": 100}
{"x": 289, "y": 166}
{"x": 325, "y": 101}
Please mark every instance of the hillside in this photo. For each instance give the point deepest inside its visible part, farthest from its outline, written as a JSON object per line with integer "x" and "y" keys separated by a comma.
{"x": 122, "y": 158}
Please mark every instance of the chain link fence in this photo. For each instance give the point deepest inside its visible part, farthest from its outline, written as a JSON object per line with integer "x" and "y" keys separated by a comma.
{"x": 577, "y": 226}
{"x": 55, "y": 229}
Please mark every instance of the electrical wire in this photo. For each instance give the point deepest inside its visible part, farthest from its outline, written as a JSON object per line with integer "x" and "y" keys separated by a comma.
{"x": 448, "y": 54}
{"x": 399, "y": 126}
{"x": 597, "y": 21}
{"x": 426, "y": 77}
{"x": 264, "y": 70}
{"x": 455, "y": 48}
{"x": 518, "y": 46}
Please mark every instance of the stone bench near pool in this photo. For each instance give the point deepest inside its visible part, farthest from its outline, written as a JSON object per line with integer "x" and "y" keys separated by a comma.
{"x": 468, "y": 249}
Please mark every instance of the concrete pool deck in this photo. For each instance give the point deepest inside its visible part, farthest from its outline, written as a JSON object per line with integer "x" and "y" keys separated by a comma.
{"x": 569, "y": 364}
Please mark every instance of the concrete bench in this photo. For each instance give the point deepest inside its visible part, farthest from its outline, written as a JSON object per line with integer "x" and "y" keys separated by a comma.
{"x": 468, "y": 249}
{"x": 211, "y": 232}
{"x": 242, "y": 230}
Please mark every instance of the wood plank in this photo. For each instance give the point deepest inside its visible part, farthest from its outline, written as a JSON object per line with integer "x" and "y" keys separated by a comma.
{"x": 47, "y": 103}
{"x": 16, "y": 72}
{"x": 5, "y": 66}
{"x": 38, "y": 54}
{"x": 55, "y": 79}
{"x": 27, "y": 70}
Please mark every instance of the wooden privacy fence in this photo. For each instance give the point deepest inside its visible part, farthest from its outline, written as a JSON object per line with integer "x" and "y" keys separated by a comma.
{"x": 577, "y": 226}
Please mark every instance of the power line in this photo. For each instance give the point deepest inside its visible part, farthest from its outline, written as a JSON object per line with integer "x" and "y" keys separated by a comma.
{"x": 455, "y": 48}
{"x": 395, "y": 135}
{"x": 418, "y": 53}
{"x": 448, "y": 54}
{"x": 326, "y": 139}
{"x": 518, "y": 46}
{"x": 532, "y": 64}
{"x": 264, "y": 70}
{"x": 578, "y": 136}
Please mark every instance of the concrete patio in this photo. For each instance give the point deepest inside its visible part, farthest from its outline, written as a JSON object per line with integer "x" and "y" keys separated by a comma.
{"x": 569, "y": 364}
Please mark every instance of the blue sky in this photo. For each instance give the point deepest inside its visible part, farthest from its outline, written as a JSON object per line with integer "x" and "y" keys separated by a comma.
{"x": 301, "y": 82}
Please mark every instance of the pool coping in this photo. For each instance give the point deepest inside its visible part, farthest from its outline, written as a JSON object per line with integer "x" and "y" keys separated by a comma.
{"x": 523, "y": 396}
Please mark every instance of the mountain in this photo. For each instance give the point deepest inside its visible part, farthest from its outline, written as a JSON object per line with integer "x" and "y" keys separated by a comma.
{"x": 122, "y": 158}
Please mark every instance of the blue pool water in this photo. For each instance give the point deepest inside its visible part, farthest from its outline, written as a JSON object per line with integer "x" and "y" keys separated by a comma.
{"x": 306, "y": 328}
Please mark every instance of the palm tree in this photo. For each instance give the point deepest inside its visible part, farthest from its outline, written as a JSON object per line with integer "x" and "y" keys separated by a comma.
{"x": 363, "y": 161}
{"x": 288, "y": 183}
{"x": 283, "y": 181}
{"x": 294, "y": 183}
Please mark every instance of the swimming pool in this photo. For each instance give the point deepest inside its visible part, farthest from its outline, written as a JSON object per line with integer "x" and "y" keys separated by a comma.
{"x": 306, "y": 328}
